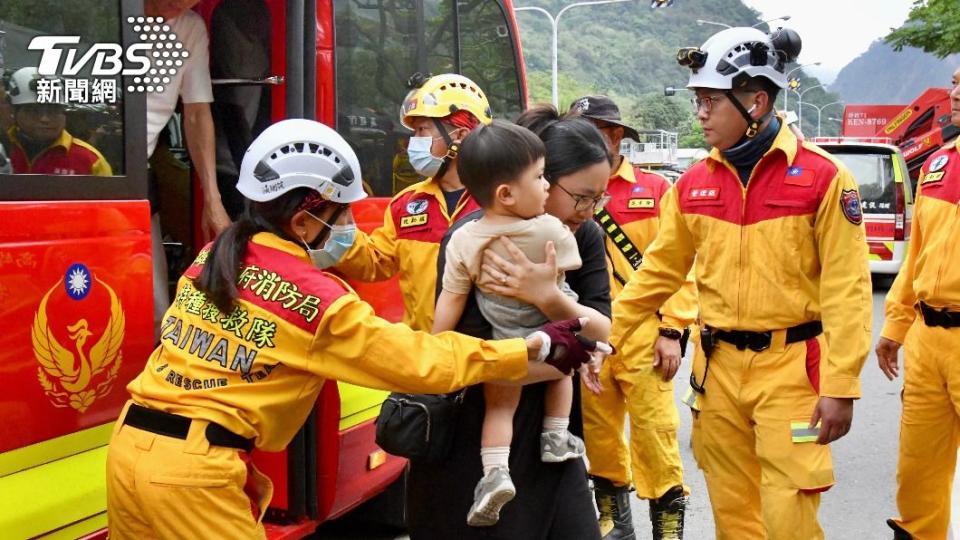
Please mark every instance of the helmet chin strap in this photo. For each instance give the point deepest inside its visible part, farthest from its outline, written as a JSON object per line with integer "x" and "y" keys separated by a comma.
{"x": 753, "y": 126}
{"x": 453, "y": 148}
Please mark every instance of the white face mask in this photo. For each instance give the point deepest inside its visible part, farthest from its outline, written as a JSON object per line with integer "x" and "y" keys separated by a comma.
{"x": 423, "y": 161}
{"x": 338, "y": 243}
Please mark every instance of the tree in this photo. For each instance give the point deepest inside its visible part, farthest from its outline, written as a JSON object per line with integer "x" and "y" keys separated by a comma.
{"x": 933, "y": 26}
{"x": 539, "y": 87}
{"x": 694, "y": 137}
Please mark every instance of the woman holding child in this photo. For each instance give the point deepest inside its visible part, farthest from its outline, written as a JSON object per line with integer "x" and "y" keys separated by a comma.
{"x": 527, "y": 189}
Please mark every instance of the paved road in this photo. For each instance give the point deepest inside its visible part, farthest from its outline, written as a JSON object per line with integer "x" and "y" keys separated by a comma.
{"x": 864, "y": 461}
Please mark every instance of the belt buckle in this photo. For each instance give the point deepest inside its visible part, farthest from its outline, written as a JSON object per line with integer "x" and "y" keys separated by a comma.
{"x": 760, "y": 341}
{"x": 741, "y": 340}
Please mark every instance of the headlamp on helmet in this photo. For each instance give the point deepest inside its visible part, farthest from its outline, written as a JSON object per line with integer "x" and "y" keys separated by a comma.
{"x": 735, "y": 54}
{"x": 691, "y": 57}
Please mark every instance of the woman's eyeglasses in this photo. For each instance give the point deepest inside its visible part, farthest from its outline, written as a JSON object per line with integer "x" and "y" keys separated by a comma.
{"x": 584, "y": 203}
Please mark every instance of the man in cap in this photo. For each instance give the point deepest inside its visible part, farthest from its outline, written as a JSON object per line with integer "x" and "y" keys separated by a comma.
{"x": 638, "y": 380}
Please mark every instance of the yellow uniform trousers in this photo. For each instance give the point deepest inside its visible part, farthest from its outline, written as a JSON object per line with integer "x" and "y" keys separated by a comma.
{"x": 929, "y": 428}
{"x": 214, "y": 491}
{"x": 632, "y": 387}
{"x": 764, "y": 472}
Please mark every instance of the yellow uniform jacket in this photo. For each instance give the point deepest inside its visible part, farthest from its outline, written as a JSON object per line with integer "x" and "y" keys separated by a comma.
{"x": 409, "y": 243}
{"x": 258, "y": 369}
{"x": 788, "y": 248}
{"x": 931, "y": 270}
{"x": 635, "y": 205}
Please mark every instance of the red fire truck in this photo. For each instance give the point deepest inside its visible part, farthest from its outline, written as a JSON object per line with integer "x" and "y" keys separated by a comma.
{"x": 75, "y": 262}
{"x": 919, "y": 128}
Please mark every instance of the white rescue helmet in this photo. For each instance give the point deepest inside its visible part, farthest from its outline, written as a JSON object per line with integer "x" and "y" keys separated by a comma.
{"x": 22, "y": 88}
{"x": 299, "y": 153}
{"x": 731, "y": 56}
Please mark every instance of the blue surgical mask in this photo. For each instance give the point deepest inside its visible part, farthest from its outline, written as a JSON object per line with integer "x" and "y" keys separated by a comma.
{"x": 338, "y": 243}
{"x": 423, "y": 161}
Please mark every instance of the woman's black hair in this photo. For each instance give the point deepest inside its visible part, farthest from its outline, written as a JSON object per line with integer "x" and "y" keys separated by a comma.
{"x": 572, "y": 143}
{"x": 218, "y": 279}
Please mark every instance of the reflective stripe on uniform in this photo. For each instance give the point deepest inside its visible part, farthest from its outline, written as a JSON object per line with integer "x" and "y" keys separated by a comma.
{"x": 801, "y": 432}
{"x": 691, "y": 399}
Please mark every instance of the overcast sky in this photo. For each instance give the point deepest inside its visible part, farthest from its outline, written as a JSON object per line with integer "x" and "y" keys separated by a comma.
{"x": 834, "y": 32}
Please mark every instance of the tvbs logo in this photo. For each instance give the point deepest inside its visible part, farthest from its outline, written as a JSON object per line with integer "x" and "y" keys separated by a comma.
{"x": 158, "y": 55}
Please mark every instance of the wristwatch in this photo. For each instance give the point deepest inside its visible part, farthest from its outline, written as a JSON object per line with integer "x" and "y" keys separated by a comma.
{"x": 670, "y": 333}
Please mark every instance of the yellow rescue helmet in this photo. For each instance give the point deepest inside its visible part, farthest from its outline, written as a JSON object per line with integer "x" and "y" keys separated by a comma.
{"x": 443, "y": 95}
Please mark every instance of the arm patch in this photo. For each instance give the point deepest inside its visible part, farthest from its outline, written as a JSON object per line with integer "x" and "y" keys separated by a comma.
{"x": 850, "y": 205}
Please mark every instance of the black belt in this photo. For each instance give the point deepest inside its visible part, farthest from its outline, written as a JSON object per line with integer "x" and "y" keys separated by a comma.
{"x": 760, "y": 341}
{"x": 176, "y": 426}
{"x": 745, "y": 339}
{"x": 939, "y": 317}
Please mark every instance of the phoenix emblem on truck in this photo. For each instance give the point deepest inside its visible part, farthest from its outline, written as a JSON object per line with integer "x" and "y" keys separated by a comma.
{"x": 73, "y": 374}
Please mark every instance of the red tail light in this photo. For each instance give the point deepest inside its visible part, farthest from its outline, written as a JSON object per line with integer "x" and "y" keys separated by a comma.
{"x": 900, "y": 215}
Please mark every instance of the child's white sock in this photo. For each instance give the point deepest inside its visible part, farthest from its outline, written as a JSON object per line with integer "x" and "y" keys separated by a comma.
{"x": 494, "y": 456}
{"x": 555, "y": 423}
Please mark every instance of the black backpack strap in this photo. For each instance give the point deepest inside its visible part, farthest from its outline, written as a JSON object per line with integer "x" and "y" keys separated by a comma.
{"x": 619, "y": 238}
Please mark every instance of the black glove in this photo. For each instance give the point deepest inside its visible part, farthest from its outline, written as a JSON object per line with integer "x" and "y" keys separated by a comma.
{"x": 568, "y": 350}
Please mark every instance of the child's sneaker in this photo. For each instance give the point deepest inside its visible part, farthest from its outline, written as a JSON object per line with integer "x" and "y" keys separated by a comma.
{"x": 557, "y": 446}
{"x": 493, "y": 491}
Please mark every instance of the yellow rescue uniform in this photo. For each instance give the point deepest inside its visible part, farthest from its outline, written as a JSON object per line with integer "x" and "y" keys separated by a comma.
{"x": 256, "y": 372}
{"x": 630, "y": 383}
{"x": 787, "y": 249}
{"x": 930, "y": 423}
{"x": 409, "y": 243}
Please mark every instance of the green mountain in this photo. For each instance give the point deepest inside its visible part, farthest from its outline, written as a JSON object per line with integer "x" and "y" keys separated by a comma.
{"x": 628, "y": 51}
{"x": 911, "y": 71}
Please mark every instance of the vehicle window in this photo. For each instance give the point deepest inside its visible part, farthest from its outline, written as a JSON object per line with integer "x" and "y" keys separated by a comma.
{"x": 488, "y": 56}
{"x": 380, "y": 44}
{"x": 874, "y": 175}
{"x": 59, "y": 125}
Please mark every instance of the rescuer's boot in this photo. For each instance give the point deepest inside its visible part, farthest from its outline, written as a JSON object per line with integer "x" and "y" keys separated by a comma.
{"x": 666, "y": 514}
{"x": 898, "y": 532}
{"x": 616, "y": 522}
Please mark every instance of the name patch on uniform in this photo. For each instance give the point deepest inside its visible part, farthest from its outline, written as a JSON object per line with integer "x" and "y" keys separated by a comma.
{"x": 704, "y": 194}
{"x": 418, "y": 206}
{"x": 413, "y": 221}
{"x": 939, "y": 163}
{"x": 932, "y": 177}
{"x": 798, "y": 176}
{"x": 640, "y": 203}
{"x": 850, "y": 205}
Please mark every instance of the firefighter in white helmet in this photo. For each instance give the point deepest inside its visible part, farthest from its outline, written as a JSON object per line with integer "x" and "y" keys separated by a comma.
{"x": 39, "y": 141}
{"x": 775, "y": 225}
{"x": 254, "y": 331}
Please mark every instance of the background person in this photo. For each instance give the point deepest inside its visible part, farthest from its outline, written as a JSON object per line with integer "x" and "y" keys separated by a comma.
{"x": 191, "y": 84}
{"x": 775, "y": 225}
{"x": 39, "y": 141}
{"x": 408, "y": 242}
{"x": 265, "y": 328}
{"x": 637, "y": 381}
{"x": 928, "y": 283}
{"x": 553, "y": 499}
